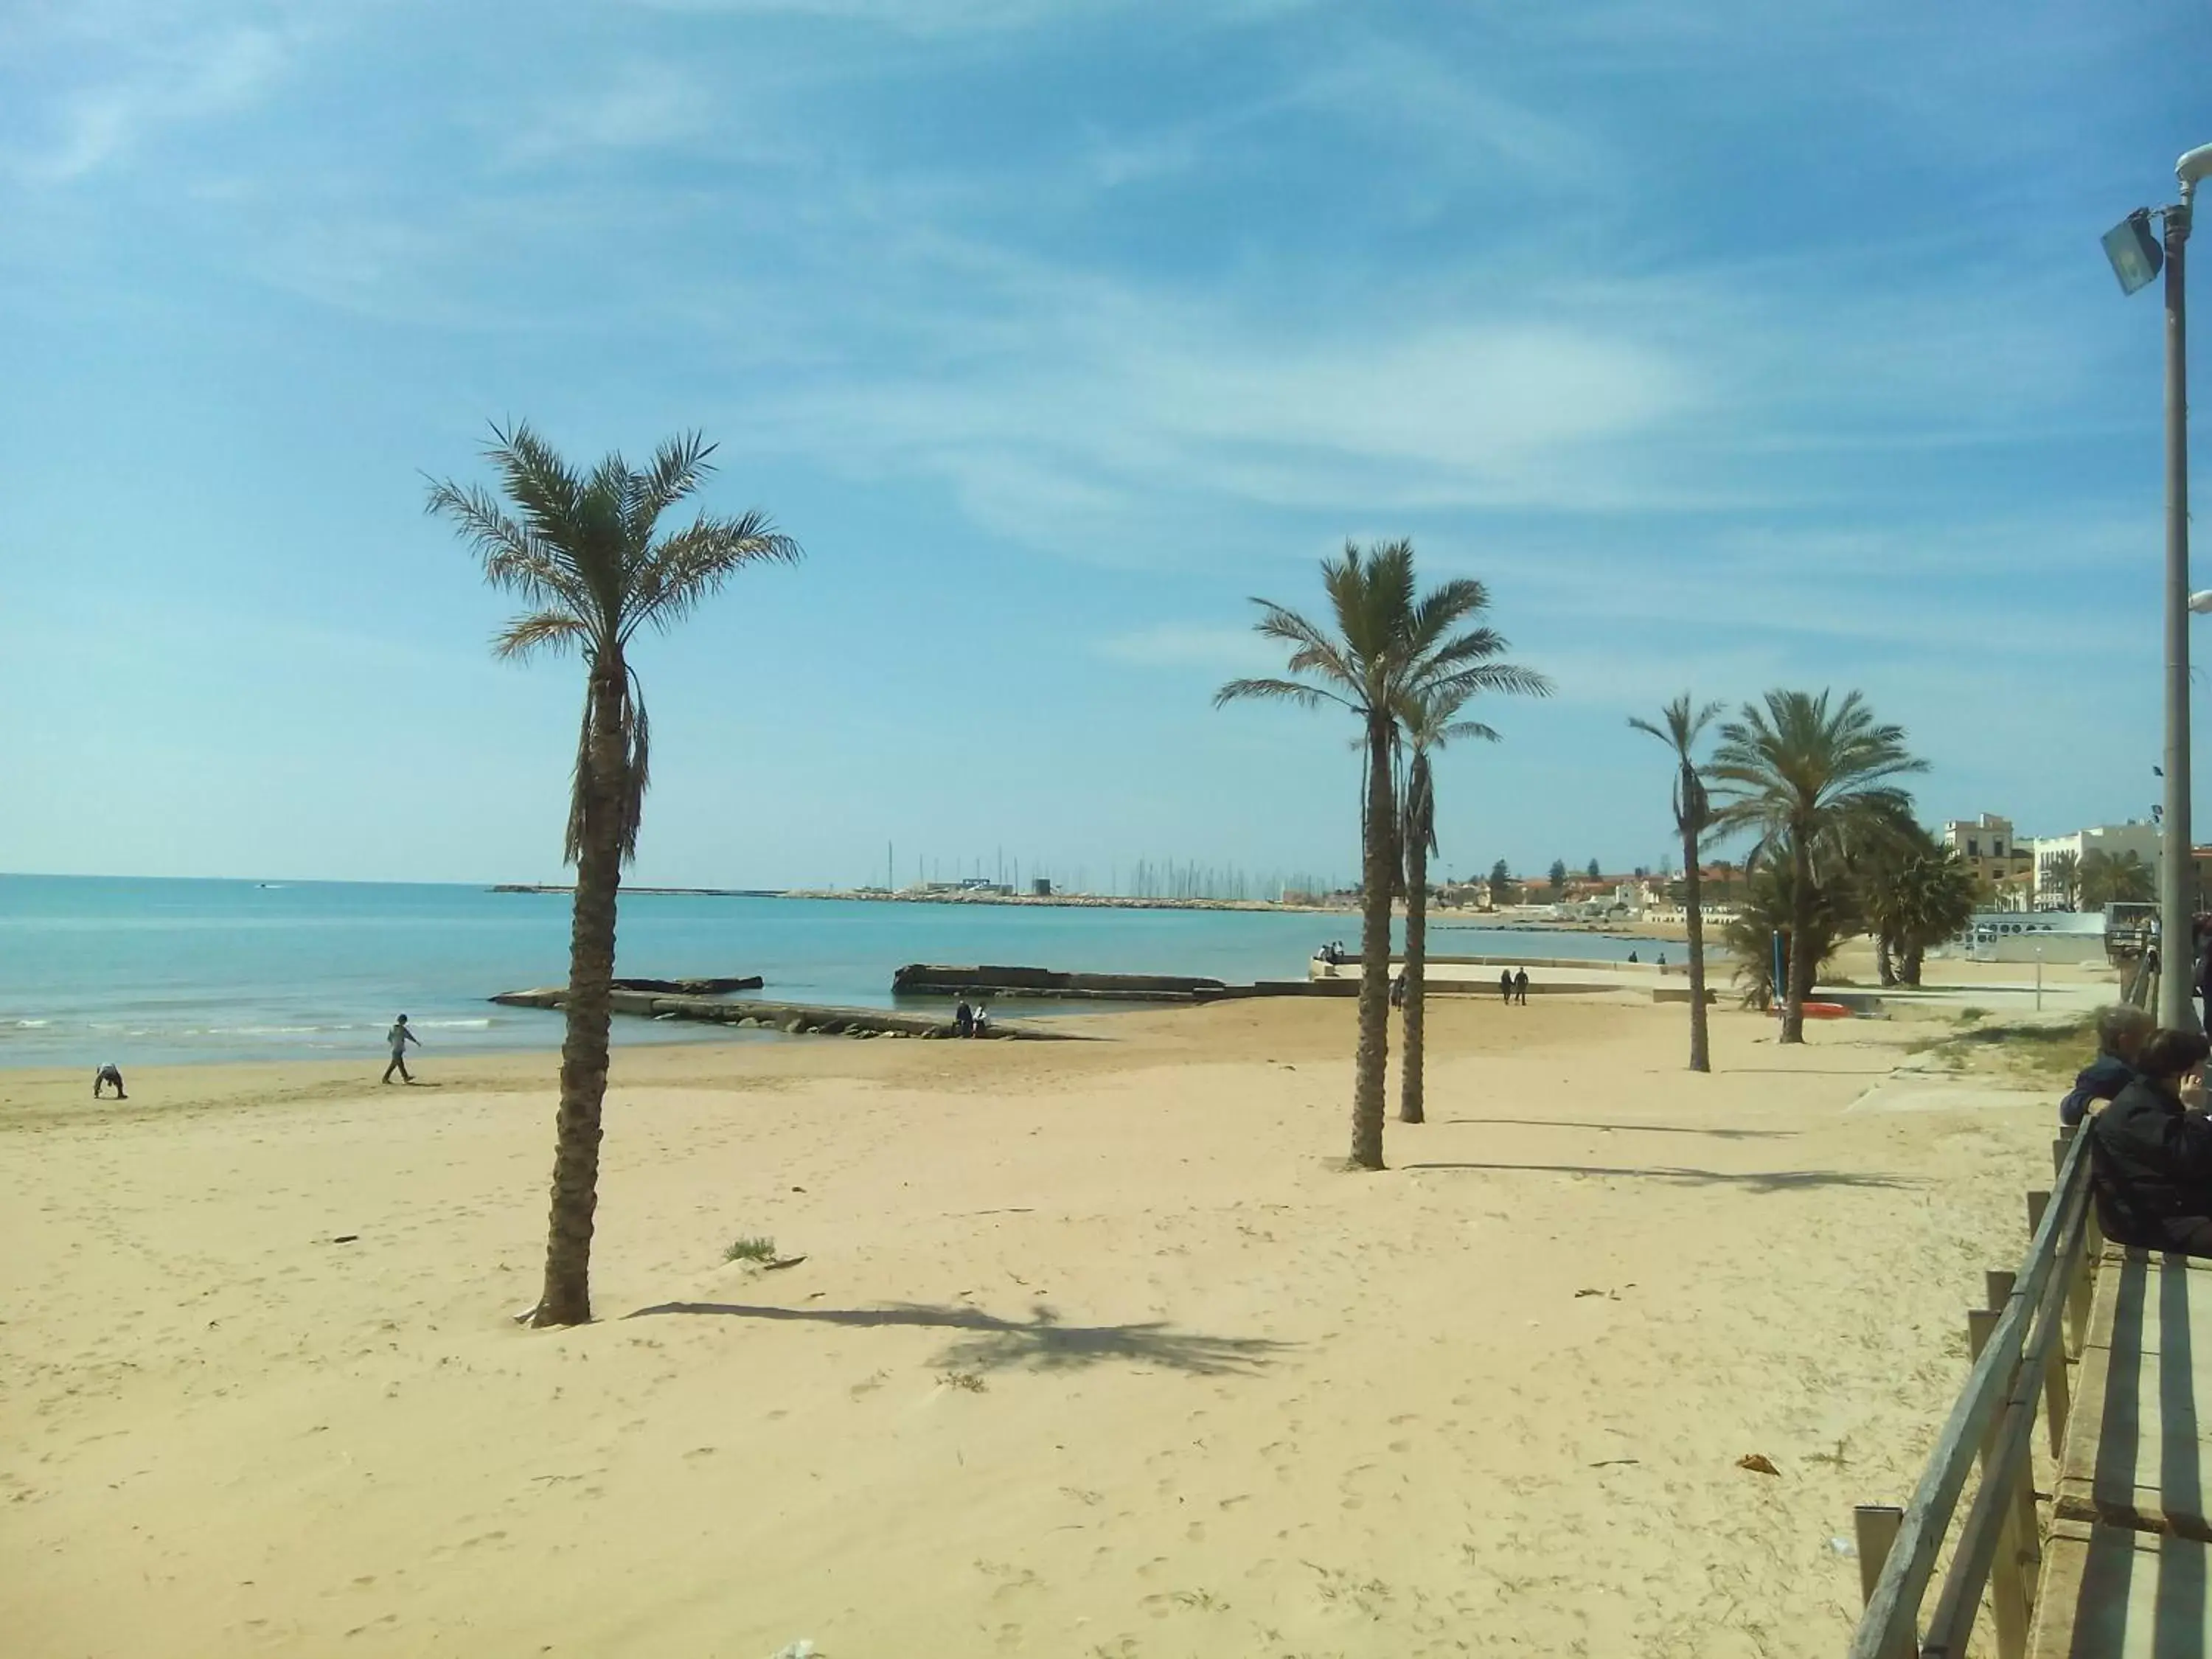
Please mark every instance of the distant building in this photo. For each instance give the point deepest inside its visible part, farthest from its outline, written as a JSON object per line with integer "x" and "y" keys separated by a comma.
{"x": 2117, "y": 840}
{"x": 1998, "y": 859}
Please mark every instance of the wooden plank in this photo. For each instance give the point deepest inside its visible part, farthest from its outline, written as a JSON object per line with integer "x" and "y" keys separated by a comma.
{"x": 2113, "y": 1593}
{"x": 2140, "y": 1447}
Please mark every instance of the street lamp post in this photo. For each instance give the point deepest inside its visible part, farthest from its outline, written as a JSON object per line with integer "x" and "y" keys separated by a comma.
{"x": 2135, "y": 259}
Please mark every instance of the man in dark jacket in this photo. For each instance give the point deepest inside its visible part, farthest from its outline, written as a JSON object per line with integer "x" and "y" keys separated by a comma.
{"x": 2120, "y": 1032}
{"x": 2152, "y": 1157}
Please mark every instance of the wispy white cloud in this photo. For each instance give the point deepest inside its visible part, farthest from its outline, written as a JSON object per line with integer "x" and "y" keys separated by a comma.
{"x": 641, "y": 105}
{"x": 1225, "y": 651}
{"x": 144, "y": 85}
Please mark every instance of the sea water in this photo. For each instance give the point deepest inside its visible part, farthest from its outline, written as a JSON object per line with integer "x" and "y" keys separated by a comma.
{"x": 145, "y": 971}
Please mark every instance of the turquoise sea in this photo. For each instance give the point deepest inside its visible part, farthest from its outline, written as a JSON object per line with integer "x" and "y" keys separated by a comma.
{"x": 143, "y": 971}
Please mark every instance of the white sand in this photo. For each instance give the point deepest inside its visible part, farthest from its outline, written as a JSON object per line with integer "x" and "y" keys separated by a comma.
{"x": 1093, "y": 1352}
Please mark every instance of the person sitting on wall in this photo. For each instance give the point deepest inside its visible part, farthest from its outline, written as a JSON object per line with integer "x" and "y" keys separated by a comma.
{"x": 2121, "y": 1033}
{"x": 2151, "y": 1156}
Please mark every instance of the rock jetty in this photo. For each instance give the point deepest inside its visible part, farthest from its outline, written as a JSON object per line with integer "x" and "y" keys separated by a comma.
{"x": 796, "y": 1019}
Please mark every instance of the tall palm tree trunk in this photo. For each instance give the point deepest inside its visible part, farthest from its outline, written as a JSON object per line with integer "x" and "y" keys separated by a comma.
{"x": 1416, "y": 939}
{"x": 1701, "y": 1059}
{"x": 1374, "y": 1050}
{"x": 567, "y": 1298}
{"x": 1801, "y": 929}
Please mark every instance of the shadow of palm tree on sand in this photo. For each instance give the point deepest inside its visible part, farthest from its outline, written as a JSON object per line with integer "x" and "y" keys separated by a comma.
{"x": 1040, "y": 1342}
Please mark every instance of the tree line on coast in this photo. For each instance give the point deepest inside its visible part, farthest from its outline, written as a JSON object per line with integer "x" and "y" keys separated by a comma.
{"x": 1834, "y": 846}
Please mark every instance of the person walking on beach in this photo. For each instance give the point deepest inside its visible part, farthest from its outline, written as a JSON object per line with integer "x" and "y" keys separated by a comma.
{"x": 1521, "y": 987}
{"x": 963, "y": 1019}
{"x": 1398, "y": 990}
{"x": 399, "y": 1036}
{"x": 1505, "y": 986}
{"x": 105, "y": 1075}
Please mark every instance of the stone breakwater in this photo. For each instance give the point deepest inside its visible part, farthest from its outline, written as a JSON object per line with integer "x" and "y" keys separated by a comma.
{"x": 795, "y": 1018}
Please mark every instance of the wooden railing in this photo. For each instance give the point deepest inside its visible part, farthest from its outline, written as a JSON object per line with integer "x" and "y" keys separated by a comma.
{"x": 2020, "y": 1342}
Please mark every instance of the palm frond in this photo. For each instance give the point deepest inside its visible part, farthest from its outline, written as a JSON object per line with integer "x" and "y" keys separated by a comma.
{"x": 679, "y": 466}
{"x": 1464, "y": 731}
{"x": 1307, "y": 696}
{"x": 1314, "y": 652}
{"x": 1501, "y": 678}
{"x": 540, "y": 630}
{"x": 679, "y": 571}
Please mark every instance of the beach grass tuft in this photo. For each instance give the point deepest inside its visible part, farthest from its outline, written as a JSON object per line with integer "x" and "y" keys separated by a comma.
{"x": 760, "y": 1251}
{"x": 2040, "y": 1052}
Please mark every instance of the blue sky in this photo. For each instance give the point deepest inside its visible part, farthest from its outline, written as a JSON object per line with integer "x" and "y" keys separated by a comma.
{"x": 1732, "y": 344}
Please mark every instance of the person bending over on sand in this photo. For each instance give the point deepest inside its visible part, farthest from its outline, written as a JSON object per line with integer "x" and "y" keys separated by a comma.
{"x": 2121, "y": 1033}
{"x": 1521, "y": 987}
{"x": 399, "y": 1036}
{"x": 105, "y": 1075}
{"x": 2151, "y": 1156}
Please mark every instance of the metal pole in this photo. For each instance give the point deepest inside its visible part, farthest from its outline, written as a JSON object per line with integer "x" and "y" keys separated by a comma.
{"x": 2177, "y": 946}
{"x": 2039, "y": 979}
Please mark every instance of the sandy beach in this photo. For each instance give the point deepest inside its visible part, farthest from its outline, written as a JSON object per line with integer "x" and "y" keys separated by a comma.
{"x": 1094, "y": 1349}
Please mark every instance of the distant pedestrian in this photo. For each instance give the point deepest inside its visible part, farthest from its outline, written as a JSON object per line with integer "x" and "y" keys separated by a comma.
{"x": 963, "y": 1019}
{"x": 1632, "y": 956}
{"x": 982, "y": 1022}
{"x": 1662, "y": 958}
{"x": 399, "y": 1036}
{"x": 1520, "y": 988}
{"x": 105, "y": 1075}
{"x": 1398, "y": 990}
{"x": 1505, "y": 986}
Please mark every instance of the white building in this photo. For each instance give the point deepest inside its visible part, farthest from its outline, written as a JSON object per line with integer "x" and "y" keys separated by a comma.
{"x": 2117, "y": 840}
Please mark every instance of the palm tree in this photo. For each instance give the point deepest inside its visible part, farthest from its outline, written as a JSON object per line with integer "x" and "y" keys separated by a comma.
{"x": 1679, "y": 728}
{"x": 1926, "y": 899}
{"x": 580, "y": 551}
{"x": 1767, "y": 909}
{"x": 1801, "y": 773}
{"x": 1384, "y": 643}
{"x": 1429, "y": 719}
{"x": 2105, "y": 880}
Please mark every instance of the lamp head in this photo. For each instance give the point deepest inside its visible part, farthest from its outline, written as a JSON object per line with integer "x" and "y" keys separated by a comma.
{"x": 2133, "y": 249}
{"x": 2201, "y": 601}
{"x": 2193, "y": 165}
